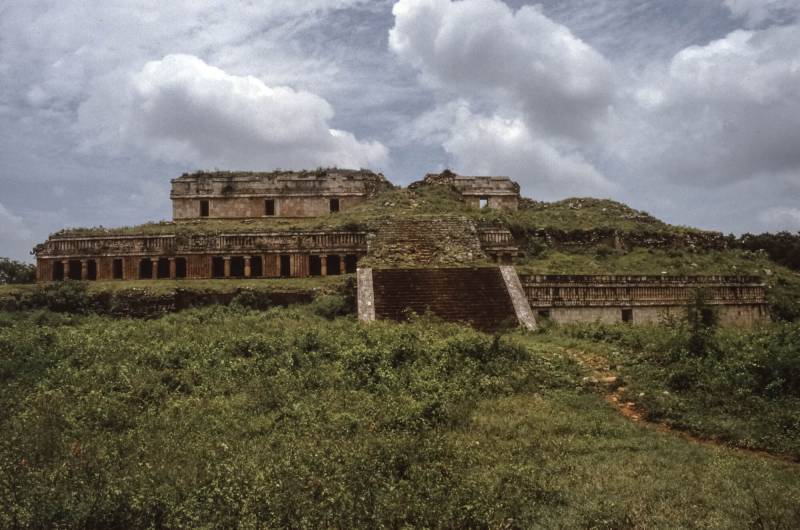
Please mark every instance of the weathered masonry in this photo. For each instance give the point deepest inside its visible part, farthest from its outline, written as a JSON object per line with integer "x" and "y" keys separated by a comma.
{"x": 199, "y": 256}
{"x": 736, "y": 300}
{"x": 475, "y": 296}
{"x": 226, "y": 195}
{"x": 478, "y": 192}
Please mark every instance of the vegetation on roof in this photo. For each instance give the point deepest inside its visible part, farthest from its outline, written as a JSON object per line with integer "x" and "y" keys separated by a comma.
{"x": 567, "y": 215}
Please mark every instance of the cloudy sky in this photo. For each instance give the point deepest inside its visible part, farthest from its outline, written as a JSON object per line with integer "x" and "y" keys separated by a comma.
{"x": 688, "y": 109}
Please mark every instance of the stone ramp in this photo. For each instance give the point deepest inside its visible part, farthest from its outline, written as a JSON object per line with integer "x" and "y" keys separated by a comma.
{"x": 476, "y": 296}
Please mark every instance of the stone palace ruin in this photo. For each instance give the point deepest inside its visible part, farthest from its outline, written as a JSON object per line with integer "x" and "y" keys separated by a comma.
{"x": 196, "y": 245}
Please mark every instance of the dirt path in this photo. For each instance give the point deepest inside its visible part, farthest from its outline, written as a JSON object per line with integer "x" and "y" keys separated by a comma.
{"x": 606, "y": 379}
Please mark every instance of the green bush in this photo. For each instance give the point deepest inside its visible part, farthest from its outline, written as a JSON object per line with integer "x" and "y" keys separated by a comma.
{"x": 330, "y": 306}
{"x": 16, "y": 272}
{"x": 62, "y": 297}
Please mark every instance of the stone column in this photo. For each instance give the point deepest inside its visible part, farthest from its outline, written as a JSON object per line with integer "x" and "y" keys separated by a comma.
{"x": 84, "y": 269}
{"x": 172, "y": 268}
{"x": 227, "y": 260}
{"x": 323, "y": 260}
{"x": 154, "y": 271}
{"x": 65, "y": 266}
{"x": 247, "y": 269}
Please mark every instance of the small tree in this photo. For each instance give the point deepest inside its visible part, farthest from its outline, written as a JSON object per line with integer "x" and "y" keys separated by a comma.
{"x": 702, "y": 320}
{"x": 16, "y": 272}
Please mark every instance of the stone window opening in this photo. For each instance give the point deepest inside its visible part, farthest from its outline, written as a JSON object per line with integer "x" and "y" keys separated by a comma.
{"x": 237, "y": 267}
{"x": 314, "y": 266}
{"x": 627, "y": 315}
{"x": 217, "y": 267}
{"x": 163, "y": 268}
{"x": 74, "y": 270}
{"x": 483, "y": 202}
{"x": 180, "y": 267}
{"x": 334, "y": 265}
{"x": 58, "y": 271}
{"x": 145, "y": 269}
{"x": 334, "y": 205}
{"x": 286, "y": 266}
{"x": 116, "y": 269}
{"x": 269, "y": 207}
{"x": 350, "y": 264}
{"x": 203, "y": 208}
{"x": 256, "y": 267}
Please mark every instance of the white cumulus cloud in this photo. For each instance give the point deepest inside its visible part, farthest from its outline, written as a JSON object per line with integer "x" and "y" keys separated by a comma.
{"x": 558, "y": 83}
{"x": 181, "y": 109}
{"x": 496, "y": 145}
{"x": 723, "y": 112}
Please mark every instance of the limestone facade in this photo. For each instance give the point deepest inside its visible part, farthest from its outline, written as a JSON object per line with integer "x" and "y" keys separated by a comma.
{"x": 735, "y": 300}
{"x": 282, "y": 194}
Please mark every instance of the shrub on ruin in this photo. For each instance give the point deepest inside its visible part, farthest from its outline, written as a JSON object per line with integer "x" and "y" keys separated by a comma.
{"x": 330, "y": 306}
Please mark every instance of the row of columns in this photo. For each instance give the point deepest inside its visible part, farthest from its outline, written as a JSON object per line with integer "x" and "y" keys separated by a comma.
{"x": 84, "y": 268}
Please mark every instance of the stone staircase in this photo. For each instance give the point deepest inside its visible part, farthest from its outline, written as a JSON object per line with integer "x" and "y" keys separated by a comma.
{"x": 477, "y": 296}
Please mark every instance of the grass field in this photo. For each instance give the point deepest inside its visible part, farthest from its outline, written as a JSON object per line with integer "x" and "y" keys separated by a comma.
{"x": 227, "y": 417}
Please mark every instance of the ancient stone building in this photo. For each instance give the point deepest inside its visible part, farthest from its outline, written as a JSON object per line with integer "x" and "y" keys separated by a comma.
{"x": 478, "y": 192}
{"x": 427, "y": 252}
{"x": 229, "y": 195}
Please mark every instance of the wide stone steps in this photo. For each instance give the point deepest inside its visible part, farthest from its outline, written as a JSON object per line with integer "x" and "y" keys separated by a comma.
{"x": 477, "y": 296}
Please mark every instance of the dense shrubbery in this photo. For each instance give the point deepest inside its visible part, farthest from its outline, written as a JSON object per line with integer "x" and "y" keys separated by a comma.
{"x": 226, "y": 417}
{"x": 782, "y": 248}
{"x": 16, "y": 272}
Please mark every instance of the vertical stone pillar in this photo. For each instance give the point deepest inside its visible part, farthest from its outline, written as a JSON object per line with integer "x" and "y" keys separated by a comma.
{"x": 248, "y": 271}
{"x": 323, "y": 260}
{"x": 172, "y": 272}
{"x": 84, "y": 269}
{"x": 227, "y": 260}
{"x": 65, "y": 266}
{"x": 154, "y": 271}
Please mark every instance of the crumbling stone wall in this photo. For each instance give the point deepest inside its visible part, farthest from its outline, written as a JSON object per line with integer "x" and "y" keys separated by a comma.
{"x": 294, "y": 194}
{"x": 738, "y": 300}
{"x": 497, "y": 192}
{"x": 426, "y": 241}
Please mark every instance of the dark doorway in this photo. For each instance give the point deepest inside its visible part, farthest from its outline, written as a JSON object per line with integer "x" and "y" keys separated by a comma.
{"x": 237, "y": 267}
{"x": 350, "y": 264}
{"x": 91, "y": 272}
{"x": 116, "y": 269}
{"x": 217, "y": 267}
{"x": 256, "y": 267}
{"x": 544, "y": 314}
{"x": 334, "y": 205}
{"x": 58, "y": 271}
{"x": 74, "y": 272}
{"x": 269, "y": 207}
{"x": 286, "y": 266}
{"x": 145, "y": 269}
{"x": 180, "y": 267}
{"x": 163, "y": 268}
{"x": 627, "y": 315}
{"x": 203, "y": 208}
{"x": 334, "y": 265}
{"x": 314, "y": 266}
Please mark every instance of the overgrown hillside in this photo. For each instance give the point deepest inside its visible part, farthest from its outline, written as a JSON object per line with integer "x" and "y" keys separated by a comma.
{"x": 233, "y": 418}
